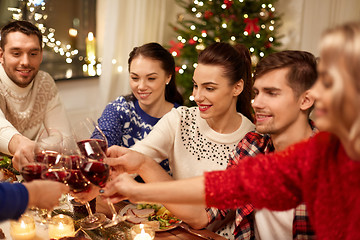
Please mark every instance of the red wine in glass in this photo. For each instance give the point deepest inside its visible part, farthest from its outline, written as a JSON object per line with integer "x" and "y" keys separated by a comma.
{"x": 59, "y": 175}
{"x": 93, "y": 148}
{"x": 51, "y": 157}
{"x": 96, "y": 172}
{"x": 77, "y": 182}
{"x": 32, "y": 171}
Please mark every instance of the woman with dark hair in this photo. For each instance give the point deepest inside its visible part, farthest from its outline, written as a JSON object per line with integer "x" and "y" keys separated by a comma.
{"x": 130, "y": 118}
{"x": 198, "y": 139}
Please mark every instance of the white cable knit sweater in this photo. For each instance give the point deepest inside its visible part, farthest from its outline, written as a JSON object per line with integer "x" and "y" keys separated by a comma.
{"x": 26, "y": 110}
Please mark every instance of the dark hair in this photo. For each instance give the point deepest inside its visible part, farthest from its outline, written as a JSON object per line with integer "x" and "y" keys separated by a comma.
{"x": 236, "y": 62}
{"x": 302, "y": 68}
{"x": 157, "y": 52}
{"x": 20, "y": 26}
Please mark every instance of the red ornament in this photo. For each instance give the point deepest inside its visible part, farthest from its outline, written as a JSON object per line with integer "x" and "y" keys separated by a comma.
{"x": 192, "y": 41}
{"x": 228, "y": 3}
{"x": 177, "y": 69}
{"x": 251, "y": 25}
{"x": 268, "y": 45}
{"x": 208, "y": 14}
{"x": 176, "y": 47}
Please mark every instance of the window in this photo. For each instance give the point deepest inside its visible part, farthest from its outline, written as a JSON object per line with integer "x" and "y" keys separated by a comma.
{"x": 68, "y": 27}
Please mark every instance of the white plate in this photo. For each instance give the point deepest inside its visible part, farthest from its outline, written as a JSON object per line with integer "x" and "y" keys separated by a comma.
{"x": 132, "y": 206}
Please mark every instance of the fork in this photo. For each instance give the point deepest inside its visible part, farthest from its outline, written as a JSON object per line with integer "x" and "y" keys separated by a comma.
{"x": 188, "y": 229}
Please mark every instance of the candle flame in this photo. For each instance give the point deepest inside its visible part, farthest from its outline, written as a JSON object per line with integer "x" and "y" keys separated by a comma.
{"x": 90, "y": 36}
{"x": 61, "y": 226}
{"x": 22, "y": 224}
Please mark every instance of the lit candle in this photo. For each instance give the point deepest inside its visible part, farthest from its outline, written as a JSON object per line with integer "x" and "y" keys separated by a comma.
{"x": 23, "y": 229}
{"x": 143, "y": 236}
{"x": 142, "y": 232}
{"x": 90, "y": 47}
{"x": 61, "y": 226}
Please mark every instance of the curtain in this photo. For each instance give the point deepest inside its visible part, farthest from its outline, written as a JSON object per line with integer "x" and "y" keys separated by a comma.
{"x": 121, "y": 26}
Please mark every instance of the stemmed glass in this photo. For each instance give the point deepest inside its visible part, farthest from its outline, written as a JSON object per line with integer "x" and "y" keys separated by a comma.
{"x": 47, "y": 150}
{"x": 78, "y": 183}
{"x": 93, "y": 144}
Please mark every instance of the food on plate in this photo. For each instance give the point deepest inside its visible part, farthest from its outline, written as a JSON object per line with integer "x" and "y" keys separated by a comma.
{"x": 153, "y": 214}
{"x": 7, "y": 176}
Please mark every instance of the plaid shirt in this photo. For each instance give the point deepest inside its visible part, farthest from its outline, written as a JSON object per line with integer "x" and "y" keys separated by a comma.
{"x": 251, "y": 145}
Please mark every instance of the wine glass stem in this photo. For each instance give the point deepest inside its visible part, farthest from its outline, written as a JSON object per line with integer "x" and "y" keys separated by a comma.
{"x": 112, "y": 208}
{"x": 88, "y": 208}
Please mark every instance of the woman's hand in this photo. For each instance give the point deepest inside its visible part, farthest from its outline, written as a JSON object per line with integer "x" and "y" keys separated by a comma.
{"x": 123, "y": 159}
{"x": 121, "y": 188}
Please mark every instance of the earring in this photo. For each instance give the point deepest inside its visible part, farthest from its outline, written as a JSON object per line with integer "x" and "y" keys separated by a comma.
{"x": 167, "y": 83}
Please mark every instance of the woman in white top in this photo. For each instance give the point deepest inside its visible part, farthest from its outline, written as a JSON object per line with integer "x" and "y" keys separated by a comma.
{"x": 197, "y": 139}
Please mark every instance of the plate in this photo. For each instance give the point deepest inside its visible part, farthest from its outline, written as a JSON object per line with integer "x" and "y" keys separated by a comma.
{"x": 132, "y": 206}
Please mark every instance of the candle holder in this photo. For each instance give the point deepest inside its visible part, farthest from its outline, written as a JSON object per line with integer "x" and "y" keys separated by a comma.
{"x": 23, "y": 228}
{"x": 61, "y": 226}
{"x": 142, "y": 232}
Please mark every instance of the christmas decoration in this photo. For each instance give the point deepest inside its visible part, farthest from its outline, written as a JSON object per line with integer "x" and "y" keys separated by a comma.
{"x": 250, "y": 22}
{"x": 34, "y": 12}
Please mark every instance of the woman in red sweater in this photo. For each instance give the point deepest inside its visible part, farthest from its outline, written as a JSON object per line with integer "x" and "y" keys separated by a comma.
{"x": 323, "y": 172}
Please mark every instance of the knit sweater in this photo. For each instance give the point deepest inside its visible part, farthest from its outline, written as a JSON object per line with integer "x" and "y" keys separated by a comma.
{"x": 189, "y": 143}
{"x": 26, "y": 110}
{"x": 317, "y": 172}
{"x": 124, "y": 123}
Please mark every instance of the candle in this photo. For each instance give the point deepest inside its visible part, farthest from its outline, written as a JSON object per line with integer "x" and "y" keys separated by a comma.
{"x": 90, "y": 47}
{"x": 61, "y": 226}
{"x": 142, "y": 232}
{"x": 142, "y": 236}
{"x": 23, "y": 229}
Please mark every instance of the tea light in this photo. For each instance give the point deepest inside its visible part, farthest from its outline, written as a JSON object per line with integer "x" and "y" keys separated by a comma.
{"x": 61, "y": 226}
{"x": 23, "y": 229}
{"x": 142, "y": 232}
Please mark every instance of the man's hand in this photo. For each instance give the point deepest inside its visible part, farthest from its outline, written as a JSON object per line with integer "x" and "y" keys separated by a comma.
{"x": 44, "y": 193}
{"x": 22, "y": 150}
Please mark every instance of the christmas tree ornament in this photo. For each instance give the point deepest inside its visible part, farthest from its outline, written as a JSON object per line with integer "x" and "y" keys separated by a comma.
{"x": 249, "y": 22}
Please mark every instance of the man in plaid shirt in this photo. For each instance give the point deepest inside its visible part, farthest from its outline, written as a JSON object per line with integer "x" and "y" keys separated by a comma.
{"x": 282, "y": 105}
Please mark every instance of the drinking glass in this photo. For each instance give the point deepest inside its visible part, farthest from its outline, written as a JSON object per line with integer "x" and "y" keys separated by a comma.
{"x": 78, "y": 183}
{"x": 93, "y": 144}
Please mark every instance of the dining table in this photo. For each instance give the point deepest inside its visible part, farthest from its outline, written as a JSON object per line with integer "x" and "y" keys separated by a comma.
{"x": 181, "y": 232}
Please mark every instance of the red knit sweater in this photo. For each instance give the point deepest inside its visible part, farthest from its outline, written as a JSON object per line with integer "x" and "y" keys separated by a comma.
{"x": 317, "y": 172}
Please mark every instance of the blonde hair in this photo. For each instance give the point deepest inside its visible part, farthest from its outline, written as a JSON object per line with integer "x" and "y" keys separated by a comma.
{"x": 340, "y": 55}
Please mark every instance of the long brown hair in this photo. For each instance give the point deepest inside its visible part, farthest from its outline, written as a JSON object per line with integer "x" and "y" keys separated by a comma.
{"x": 236, "y": 62}
{"x": 157, "y": 52}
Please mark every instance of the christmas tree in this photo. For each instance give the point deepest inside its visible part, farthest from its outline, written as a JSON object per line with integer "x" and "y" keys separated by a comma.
{"x": 250, "y": 22}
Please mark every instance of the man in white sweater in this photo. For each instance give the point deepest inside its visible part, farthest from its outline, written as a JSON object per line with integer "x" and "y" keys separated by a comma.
{"x": 29, "y": 99}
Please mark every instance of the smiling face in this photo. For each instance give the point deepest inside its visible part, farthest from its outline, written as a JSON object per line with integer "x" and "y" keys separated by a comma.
{"x": 327, "y": 117}
{"x": 21, "y": 57}
{"x": 148, "y": 81}
{"x": 213, "y": 93}
{"x": 276, "y": 107}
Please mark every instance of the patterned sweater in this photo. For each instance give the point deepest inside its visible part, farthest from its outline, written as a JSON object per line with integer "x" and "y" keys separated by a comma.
{"x": 26, "y": 110}
{"x": 124, "y": 123}
{"x": 317, "y": 172}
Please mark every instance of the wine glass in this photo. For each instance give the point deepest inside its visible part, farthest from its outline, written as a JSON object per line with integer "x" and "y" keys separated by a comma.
{"x": 93, "y": 145}
{"x": 78, "y": 183}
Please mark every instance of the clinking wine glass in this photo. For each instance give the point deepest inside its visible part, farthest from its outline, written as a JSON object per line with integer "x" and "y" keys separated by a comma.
{"x": 78, "y": 183}
{"x": 93, "y": 145}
